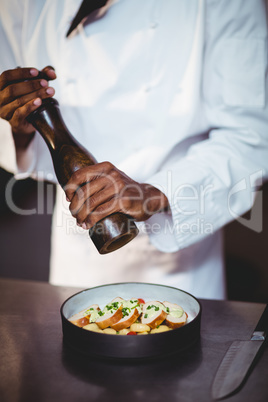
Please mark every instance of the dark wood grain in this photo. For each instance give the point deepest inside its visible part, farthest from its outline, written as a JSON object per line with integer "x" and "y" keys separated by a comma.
{"x": 68, "y": 155}
{"x": 35, "y": 365}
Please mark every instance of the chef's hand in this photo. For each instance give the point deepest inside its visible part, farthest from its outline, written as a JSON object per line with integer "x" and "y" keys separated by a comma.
{"x": 21, "y": 92}
{"x": 99, "y": 190}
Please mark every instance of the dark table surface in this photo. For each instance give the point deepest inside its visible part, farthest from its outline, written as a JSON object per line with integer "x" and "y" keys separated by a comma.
{"x": 35, "y": 365}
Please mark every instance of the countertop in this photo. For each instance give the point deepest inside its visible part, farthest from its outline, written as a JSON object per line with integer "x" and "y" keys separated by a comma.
{"x": 35, "y": 365}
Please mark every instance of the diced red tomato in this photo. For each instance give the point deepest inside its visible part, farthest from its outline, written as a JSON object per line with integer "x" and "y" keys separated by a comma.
{"x": 141, "y": 301}
{"x": 132, "y": 333}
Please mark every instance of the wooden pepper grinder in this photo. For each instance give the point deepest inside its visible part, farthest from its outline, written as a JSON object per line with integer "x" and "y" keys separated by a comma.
{"x": 110, "y": 233}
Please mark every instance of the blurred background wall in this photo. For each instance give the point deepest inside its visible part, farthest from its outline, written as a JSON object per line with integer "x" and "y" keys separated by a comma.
{"x": 25, "y": 239}
{"x": 246, "y": 257}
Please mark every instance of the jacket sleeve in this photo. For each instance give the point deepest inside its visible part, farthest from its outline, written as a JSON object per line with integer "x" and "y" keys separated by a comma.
{"x": 10, "y": 57}
{"x": 218, "y": 178}
{"x": 26, "y": 163}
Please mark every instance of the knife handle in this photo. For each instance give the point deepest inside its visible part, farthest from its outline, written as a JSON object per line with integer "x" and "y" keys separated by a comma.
{"x": 261, "y": 329}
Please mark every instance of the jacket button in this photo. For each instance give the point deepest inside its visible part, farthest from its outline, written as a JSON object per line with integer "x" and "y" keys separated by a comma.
{"x": 154, "y": 25}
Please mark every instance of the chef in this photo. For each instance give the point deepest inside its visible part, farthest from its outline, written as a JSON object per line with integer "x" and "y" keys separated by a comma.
{"x": 171, "y": 99}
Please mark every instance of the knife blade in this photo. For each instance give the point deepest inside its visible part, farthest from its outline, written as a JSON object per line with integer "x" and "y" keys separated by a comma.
{"x": 238, "y": 360}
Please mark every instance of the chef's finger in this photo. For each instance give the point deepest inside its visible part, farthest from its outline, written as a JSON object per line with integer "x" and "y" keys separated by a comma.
{"x": 87, "y": 190}
{"x": 7, "y": 111}
{"x": 17, "y": 74}
{"x": 13, "y": 91}
{"x": 86, "y": 175}
{"x": 101, "y": 212}
{"x": 131, "y": 206}
{"x": 21, "y": 113}
{"x": 49, "y": 71}
{"x": 94, "y": 202}
{"x": 78, "y": 180}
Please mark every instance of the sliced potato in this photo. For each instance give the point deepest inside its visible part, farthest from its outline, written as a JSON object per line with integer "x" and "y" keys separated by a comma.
{"x": 92, "y": 327}
{"x": 110, "y": 331}
{"x": 143, "y": 333}
{"x": 124, "y": 331}
{"x": 139, "y": 328}
{"x": 161, "y": 328}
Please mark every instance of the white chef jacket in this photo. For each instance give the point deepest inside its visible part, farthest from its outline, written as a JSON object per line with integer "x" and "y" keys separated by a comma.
{"x": 174, "y": 93}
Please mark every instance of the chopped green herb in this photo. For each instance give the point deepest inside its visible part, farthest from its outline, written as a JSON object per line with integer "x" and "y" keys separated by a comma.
{"x": 167, "y": 309}
{"x": 156, "y": 308}
{"x": 125, "y": 311}
{"x": 90, "y": 311}
{"x": 146, "y": 316}
{"x": 101, "y": 313}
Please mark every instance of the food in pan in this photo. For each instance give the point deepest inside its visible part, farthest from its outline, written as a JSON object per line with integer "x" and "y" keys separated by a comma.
{"x": 82, "y": 318}
{"x": 131, "y": 317}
